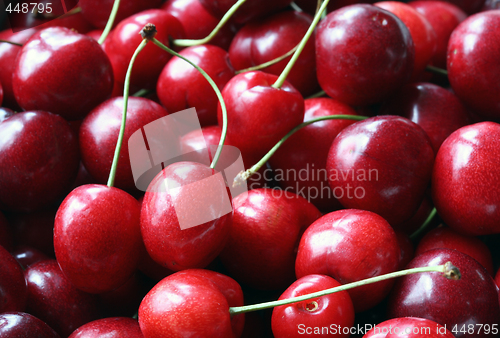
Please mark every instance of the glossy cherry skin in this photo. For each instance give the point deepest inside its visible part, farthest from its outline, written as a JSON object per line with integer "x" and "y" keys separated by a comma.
{"x": 446, "y": 238}
{"x": 165, "y": 241}
{"x": 473, "y": 49}
{"x": 184, "y": 304}
{"x": 471, "y": 300}
{"x": 114, "y": 327}
{"x": 382, "y": 164}
{"x": 465, "y": 179}
{"x": 181, "y": 86}
{"x": 97, "y": 11}
{"x": 406, "y": 246}
{"x": 334, "y": 311}
{"x": 443, "y": 17}
{"x": 416, "y": 221}
{"x": 267, "y": 226}
{"x": 13, "y": 292}
{"x": 24, "y": 325}
{"x": 409, "y": 327}
{"x": 269, "y": 38}
{"x": 258, "y": 114}
{"x": 306, "y": 152}
{"x": 97, "y": 237}
{"x": 5, "y": 113}
{"x": 73, "y": 76}
{"x": 347, "y": 245}
{"x": 125, "y": 39}
{"x": 360, "y": 71}
{"x": 27, "y": 256}
{"x": 438, "y": 111}
{"x": 248, "y": 11}
{"x": 99, "y": 133}
{"x": 1, "y": 93}
{"x": 38, "y": 160}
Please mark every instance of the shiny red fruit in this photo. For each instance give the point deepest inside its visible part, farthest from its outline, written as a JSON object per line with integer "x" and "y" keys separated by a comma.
{"x": 13, "y": 292}
{"x": 409, "y": 327}
{"x": 114, "y": 327}
{"x": 20, "y": 325}
{"x": 248, "y": 11}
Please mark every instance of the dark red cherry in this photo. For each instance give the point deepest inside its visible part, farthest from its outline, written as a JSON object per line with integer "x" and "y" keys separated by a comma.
{"x": 181, "y": 86}
{"x": 416, "y": 221}
{"x": 409, "y": 327}
{"x": 360, "y": 71}
{"x": 20, "y": 325}
{"x": 53, "y": 299}
{"x": 125, "y": 39}
{"x": 248, "y": 11}
{"x": 27, "y": 256}
{"x": 1, "y": 93}
{"x": 473, "y": 49}
{"x": 407, "y": 250}
{"x": 63, "y": 72}
{"x": 113, "y": 327}
{"x": 334, "y": 311}
{"x": 468, "y": 6}
{"x": 38, "y": 160}
{"x": 466, "y": 179}
{"x": 472, "y": 300}
{"x": 13, "y": 292}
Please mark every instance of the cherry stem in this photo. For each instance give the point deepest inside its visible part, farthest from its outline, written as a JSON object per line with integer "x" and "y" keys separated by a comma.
{"x": 318, "y": 94}
{"x": 143, "y": 92}
{"x": 281, "y": 79}
{"x": 448, "y": 270}
{"x": 425, "y": 225}
{"x": 268, "y": 63}
{"x": 244, "y": 175}
{"x": 114, "y": 165}
{"x": 222, "y": 22}
{"x": 436, "y": 70}
{"x": 217, "y": 92}
{"x": 11, "y": 42}
{"x": 111, "y": 21}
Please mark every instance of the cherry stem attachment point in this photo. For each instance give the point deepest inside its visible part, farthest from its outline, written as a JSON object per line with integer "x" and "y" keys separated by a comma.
{"x": 448, "y": 270}
{"x": 222, "y": 22}
{"x": 217, "y": 92}
{"x": 424, "y": 226}
{"x": 244, "y": 175}
{"x": 111, "y": 21}
{"x": 436, "y": 70}
{"x": 11, "y": 42}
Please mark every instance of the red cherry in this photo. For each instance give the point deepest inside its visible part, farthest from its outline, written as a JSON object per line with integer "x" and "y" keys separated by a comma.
{"x": 1, "y": 93}
{"x": 97, "y": 237}
{"x": 115, "y": 327}
{"x": 360, "y": 71}
{"x": 406, "y": 246}
{"x": 468, "y": 6}
{"x": 57, "y": 68}
{"x": 20, "y": 324}
{"x": 346, "y": 245}
{"x": 196, "y": 142}
{"x": 5, "y": 113}
{"x": 466, "y": 169}
{"x": 27, "y": 256}
{"x": 497, "y": 278}
{"x": 248, "y": 11}
{"x": 334, "y": 311}
{"x": 13, "y": 292}
{"x": 409, "y": 327}
{"x": 416, "y": 221}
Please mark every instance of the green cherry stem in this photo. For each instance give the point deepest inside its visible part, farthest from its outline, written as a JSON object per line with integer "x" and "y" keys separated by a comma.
{"x": 111, "y": 21}
{"x": 424, "y": 226}
{"x": 318, "y": 94}
{"x": 281, "y": 79}
{"x": 244, "y": 175}
{"x": 11, "y": 42}
{"x": 217, "y": 92}
{"x": 222, "y": 22}
{"x": 436, "y": 70}
{"x": 143, "y": 92}
{"x": 268, "y": 63}
{"x": 448, "y": 270}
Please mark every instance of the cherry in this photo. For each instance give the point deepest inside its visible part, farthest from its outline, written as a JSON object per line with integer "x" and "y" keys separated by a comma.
{"x": 310, "y": 6}
{"x": 269, "y": 38}
{"x": 73, "y": 69}
{"x": 248, "y": 11}
{"x": 198, "y": 143}
{"x": 20, "y": 324}
{"x": 5, "y": 113}
{"x": 5, "y": 234}
{"x": 121, "y": 44}
{"x": 181, "y": 86}
{"x": 1, "y": 93}
{"x": 382, "y": 164}
{"x": 97, "y": 237}
{"x": 266, "y": 229}
{"x": 473, "y": 49}
{"x": 334, "y": 311}
{"x": 426, "y": 296}
{"x": 360, "y": 71}
{"x": 27, "y": 256}
{"x": 38, "y": 160}
{"x": 409, "y": 327}
{"x": 468, "y": 6}
{"x": 345, "y": 245}
{"x": 497, "y": 278}
{"x": 406, "y": 246}
{"x": 53, "y": 299}
{"x": 13, "y": 292}
{"x": 114, "y": 327}
{"x": 466, "y": 169}
{"x": 417, "y": 220}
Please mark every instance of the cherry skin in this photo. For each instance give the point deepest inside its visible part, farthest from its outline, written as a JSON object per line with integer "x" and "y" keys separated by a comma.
{"x": 38, "y": 160}
{"x": 473, "y": 49}
{"x": 269, "y": 38}
{"x": 382, "y": 164}
{"x": 5, "y": 113}
{"x": 497, "y": 278}
{"x": 274, "y": 112}
{"x": 409, "y": 327}
{"x": 248, "y": 11}
{"x": 197, "y": 143}
{"x": 52, "y": 298}
{"x": 307, "y": 150}
{"x": 13, "y": 292}
{"x": 346, "y": 245}
{"x": 6, "y": 240}
{"x": 431, "y": 296}
{"x": 125, "y": 39}
{"x": 468, "y": 6}
{"x": 438, "y": 111}
{"x": 360, "y": 71}
{"x": 446, "y": 238}
{"x": 406, "y": 246}
{"x": 20, "y": 324}
{"x": 267, "y": 226}
{"x": 465, "y": 180}
{"x": 181, "y": 86}
{"x": 416, "y": 221}
{"x": 334, "y": 311}
{"x": 27, "y": 256}
{"x": 114, "y": 327}
{"x": 73, "y": 76}
{"x": 97, "y": 237}
{"x": 1, "y": 93}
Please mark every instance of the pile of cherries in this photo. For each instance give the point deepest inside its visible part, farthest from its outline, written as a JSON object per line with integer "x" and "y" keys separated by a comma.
{"x": 376, "y": 149}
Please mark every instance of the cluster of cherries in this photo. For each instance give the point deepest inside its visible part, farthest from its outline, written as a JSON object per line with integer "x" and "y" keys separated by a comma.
{"x": 399, "y": 134}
